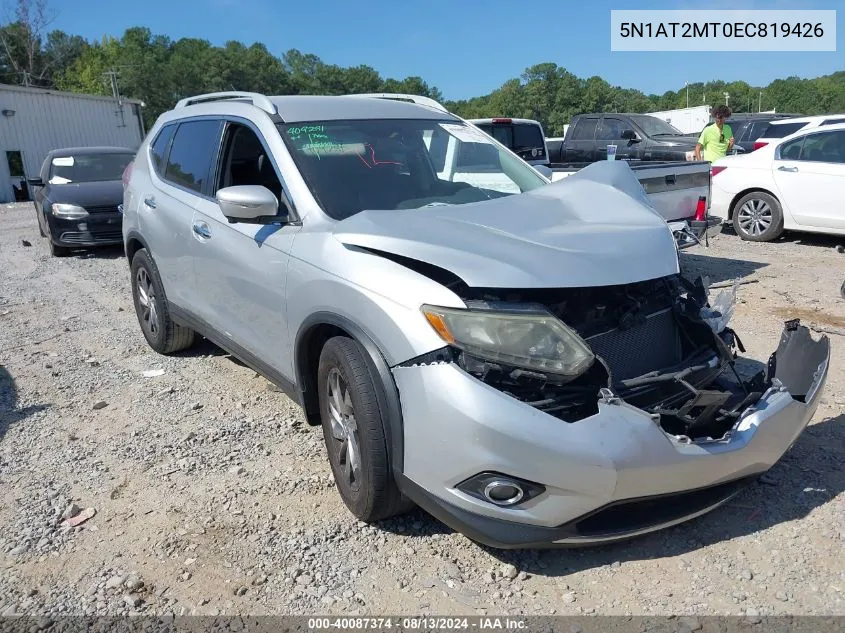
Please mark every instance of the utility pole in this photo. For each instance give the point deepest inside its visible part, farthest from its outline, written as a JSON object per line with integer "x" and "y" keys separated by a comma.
{"x": 727, "y": 97}
{"x": 760, "y": 102}
{"x": 686, "y": 85}
{"x": 112, "y": 75}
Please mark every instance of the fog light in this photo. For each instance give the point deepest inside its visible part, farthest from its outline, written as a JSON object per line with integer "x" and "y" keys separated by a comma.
{"x": 501, "y": 490}
{"x": 83, "y": 226}
{"x": 503, "y": 493}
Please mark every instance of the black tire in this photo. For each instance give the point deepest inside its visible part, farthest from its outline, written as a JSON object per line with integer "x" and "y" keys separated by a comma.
{"x": 370, "y": 494}
{"x": 842, "y": 290}
{"x": 56, "y": 250}
{"x": 163, "y": 334}
{"x": 758, "y": 217}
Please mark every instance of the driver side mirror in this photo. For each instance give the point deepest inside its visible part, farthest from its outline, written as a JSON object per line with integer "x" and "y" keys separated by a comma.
{"x": 251, "y": 204}
{"x": 629, "y": 135}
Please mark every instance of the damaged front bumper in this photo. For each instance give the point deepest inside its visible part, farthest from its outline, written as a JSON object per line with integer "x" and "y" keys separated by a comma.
{"x": 606, "y": 477}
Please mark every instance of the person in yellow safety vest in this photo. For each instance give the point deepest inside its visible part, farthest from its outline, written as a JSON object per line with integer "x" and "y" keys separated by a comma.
{"x": 717, "y": 139}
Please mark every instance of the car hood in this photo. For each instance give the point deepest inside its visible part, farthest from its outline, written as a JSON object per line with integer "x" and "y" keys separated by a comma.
{"x": 594, "y": 228}
{"x": 88, "y": 194}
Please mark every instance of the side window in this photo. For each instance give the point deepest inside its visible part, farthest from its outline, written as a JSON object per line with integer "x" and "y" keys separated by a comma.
{"x": 610, "y": 129}
{"x": 158, "y": 149}
{"x": 245, "y": 161}
{"x": 832, "y": 121}
{"x": 194, "y": 147}
{"x": 826, "y": 147}
{"x": 585, "y": 130}
{"x": 792, "y": 149}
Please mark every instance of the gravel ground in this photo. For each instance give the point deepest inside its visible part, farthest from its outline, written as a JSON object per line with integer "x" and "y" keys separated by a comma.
{"x": 210, "y": 495}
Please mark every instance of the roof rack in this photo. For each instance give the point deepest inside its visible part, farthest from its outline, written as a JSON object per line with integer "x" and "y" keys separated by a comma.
{"x": 424, "y": 101}
{"x": 258, "y": 100}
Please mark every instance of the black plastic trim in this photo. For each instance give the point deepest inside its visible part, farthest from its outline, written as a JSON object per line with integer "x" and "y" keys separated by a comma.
{"x": 501, "y": 534}
{"x": 202, "y": 328}
{"x": 390, "y": 407}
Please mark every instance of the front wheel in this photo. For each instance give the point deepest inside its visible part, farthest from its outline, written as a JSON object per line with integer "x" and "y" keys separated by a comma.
{"x": 354, "y": 433}
{"x": 758, "y": 217}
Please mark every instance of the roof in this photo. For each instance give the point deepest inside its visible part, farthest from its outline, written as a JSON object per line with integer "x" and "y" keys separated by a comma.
{"x": 81, "y": 151}
{"x": 307, "y": 108}
{"x": 59, "y": 93}
{"x": 807, "y": 119}
{"x": 300, "y": 108}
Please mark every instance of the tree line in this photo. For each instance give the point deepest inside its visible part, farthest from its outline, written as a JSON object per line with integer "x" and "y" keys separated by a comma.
{"x": 160, "y": 71}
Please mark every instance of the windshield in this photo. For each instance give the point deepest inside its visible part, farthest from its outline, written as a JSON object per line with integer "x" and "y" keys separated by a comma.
{"x": 402, "y": 164}
{"x": 652, "y": 126}
{"x": 88, "y": 168}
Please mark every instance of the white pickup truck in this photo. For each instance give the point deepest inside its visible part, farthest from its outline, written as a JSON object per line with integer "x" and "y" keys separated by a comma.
{"x": 678, "y": 190}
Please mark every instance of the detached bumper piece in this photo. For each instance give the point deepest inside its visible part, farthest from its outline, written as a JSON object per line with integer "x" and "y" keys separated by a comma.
{"x": 693, "y": 232}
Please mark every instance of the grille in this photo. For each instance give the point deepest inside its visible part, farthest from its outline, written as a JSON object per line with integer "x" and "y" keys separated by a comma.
{"x": 648, "y": 346}
{"x": 638, "y": 514}
{"x": 86, "y": 237}
{"x": 106, "y": 209}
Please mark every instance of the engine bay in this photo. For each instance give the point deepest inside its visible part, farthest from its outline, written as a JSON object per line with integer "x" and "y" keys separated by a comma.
{"x": 655, "y": 349}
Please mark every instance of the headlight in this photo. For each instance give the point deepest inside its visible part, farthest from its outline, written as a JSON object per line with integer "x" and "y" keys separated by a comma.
{"x": 533, "y": 339}
{"x": 68, "y": 211}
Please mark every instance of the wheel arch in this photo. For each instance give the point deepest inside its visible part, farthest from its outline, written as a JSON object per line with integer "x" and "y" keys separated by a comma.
{"x": 744, "y": 193}
{"x": 133, "y": 243}
{"x": 310, "y": 339}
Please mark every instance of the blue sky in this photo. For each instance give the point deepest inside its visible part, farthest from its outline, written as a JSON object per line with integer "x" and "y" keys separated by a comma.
{"x": 464, "y": 47}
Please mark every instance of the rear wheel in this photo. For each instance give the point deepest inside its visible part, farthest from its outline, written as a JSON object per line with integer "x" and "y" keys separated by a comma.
{"x": 758, "y": 217}
{"x": 354, "y": 433}
{"x": 163, "y": 334}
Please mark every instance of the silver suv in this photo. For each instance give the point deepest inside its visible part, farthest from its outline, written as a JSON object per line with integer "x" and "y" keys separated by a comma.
{"x": 519, "y": 358}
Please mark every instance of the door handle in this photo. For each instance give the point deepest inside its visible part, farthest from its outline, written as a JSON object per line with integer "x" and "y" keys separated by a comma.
{"x": 201, "y": 229}
{"x": 150, "y": 202}
{"x": 781, "y": 168}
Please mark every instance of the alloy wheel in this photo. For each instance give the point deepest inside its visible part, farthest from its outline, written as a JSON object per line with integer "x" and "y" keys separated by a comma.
{"x": 344, "y": 428}
{"x": 147, "y": 299}
{"x": 755, "y": 217}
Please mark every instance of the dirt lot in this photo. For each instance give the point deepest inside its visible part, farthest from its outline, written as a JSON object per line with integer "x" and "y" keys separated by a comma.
{"x": 212, "y": 496}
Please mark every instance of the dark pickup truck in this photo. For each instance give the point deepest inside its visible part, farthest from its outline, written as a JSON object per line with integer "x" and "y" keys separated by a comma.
{"x": 636, "y": 136}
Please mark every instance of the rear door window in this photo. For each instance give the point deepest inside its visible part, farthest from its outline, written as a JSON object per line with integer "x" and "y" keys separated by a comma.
{"x": 191, "y": 155}
{"x": 585, "y": 130}
{"x": 781, "y": 130}
{"x": 158, "y": 149}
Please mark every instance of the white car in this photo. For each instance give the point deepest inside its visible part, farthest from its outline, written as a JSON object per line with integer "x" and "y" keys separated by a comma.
{"x": 796, "y": 184}
{"x": 781, "y": 128}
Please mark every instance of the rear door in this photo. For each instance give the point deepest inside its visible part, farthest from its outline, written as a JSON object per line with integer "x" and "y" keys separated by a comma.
{"x": 581, "y": 141}
{"x": 181, "y": 157}
{"x": 809, "y": 172}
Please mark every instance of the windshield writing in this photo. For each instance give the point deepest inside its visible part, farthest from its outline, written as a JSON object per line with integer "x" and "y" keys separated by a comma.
{"x": 351, "y": 166}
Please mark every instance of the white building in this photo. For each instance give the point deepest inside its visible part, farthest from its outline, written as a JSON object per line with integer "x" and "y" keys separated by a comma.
{"x": 34, "y": 121}
{"x": 687, "y": 120}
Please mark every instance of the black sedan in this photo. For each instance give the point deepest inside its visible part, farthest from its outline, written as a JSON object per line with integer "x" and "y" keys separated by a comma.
{"x": 77, "y": 195}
